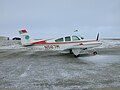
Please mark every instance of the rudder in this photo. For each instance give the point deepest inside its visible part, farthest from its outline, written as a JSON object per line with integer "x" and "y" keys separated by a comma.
{"x": 25, "y": 38}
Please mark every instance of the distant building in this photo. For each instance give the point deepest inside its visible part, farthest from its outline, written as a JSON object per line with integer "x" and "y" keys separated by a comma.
{"x": 4, "y": 38}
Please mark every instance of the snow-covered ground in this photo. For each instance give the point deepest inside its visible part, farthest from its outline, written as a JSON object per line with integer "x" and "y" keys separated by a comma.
{"x": 36, "y": 70}
{"x": 110, "y": 43}
{"x": 9, "y": 44}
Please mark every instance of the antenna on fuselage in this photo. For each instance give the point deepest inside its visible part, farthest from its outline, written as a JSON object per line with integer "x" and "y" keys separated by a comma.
{"x": 76, "y": 30}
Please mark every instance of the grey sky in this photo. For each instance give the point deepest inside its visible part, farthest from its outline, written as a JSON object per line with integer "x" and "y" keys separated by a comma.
{"x": 52, "y": 18}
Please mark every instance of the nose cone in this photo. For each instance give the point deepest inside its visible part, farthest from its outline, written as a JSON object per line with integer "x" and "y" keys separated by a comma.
{"x": 100, "y": 43}
{"x": 97, "y": 43}
{"x": 94, "y": 44}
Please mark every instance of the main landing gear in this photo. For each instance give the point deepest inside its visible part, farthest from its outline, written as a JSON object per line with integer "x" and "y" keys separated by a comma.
{"x": 79, "y": 53}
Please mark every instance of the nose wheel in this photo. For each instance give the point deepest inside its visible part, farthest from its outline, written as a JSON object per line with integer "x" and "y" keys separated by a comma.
{"x": 95, "y": 52}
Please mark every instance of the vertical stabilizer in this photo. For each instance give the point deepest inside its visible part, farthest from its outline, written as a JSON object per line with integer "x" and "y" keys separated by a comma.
{"x": 25, "y": 38}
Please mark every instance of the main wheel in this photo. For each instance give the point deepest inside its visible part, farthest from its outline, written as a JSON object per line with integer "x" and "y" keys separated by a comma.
{"x": 71, "y": 52}
{"x": 94, "y": 53}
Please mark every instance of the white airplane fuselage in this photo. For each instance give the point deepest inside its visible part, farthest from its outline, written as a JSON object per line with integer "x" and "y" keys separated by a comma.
{"x": 72, "y": 43}
{"x": 81, "y": 44}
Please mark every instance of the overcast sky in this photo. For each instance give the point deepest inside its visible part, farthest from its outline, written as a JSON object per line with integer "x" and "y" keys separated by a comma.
{"x": 52, "y": 18}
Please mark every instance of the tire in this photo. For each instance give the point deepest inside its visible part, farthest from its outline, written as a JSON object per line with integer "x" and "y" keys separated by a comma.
{"x": 71, "y": 52}
{"x": 94, "y": 53}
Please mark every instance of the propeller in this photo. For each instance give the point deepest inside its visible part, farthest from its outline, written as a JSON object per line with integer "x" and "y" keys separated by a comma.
{"x": 97, "y": 37}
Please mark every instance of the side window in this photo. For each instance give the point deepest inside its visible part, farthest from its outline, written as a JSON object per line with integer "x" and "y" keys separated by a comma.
{"x": 67, "y": 38}
{"x": 75, "y": 38}
{"x": 59, "y": 40}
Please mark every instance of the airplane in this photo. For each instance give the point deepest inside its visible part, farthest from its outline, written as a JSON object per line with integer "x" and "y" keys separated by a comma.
{"x": 72, "y": 44}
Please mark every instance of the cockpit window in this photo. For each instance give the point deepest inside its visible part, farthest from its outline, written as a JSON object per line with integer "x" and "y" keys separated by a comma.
{"x": 67, "y": 38}
{"x": 59, "y": 40}
{"x": 75, "y": 38}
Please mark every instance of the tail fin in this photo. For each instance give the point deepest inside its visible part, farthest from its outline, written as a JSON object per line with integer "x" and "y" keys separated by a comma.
{"x": 25, "y": 38}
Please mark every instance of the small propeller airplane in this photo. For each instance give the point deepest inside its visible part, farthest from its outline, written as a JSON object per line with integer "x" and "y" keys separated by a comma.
{"x": 73, "y": 44}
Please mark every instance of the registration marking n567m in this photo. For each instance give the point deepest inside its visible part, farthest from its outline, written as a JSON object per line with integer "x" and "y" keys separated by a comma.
{"x": 51, "y": 46}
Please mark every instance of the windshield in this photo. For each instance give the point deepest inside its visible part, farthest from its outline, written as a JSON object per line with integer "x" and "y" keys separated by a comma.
{"x": 75, "y": 38}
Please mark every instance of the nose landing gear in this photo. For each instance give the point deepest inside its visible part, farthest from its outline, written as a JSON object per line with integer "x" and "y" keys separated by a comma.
{"x": 79, "y": 53}
{"x": 95, "y": 52}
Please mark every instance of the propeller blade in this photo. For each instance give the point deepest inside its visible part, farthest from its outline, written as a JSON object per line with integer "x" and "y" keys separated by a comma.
{"x": 97, "y": 37}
